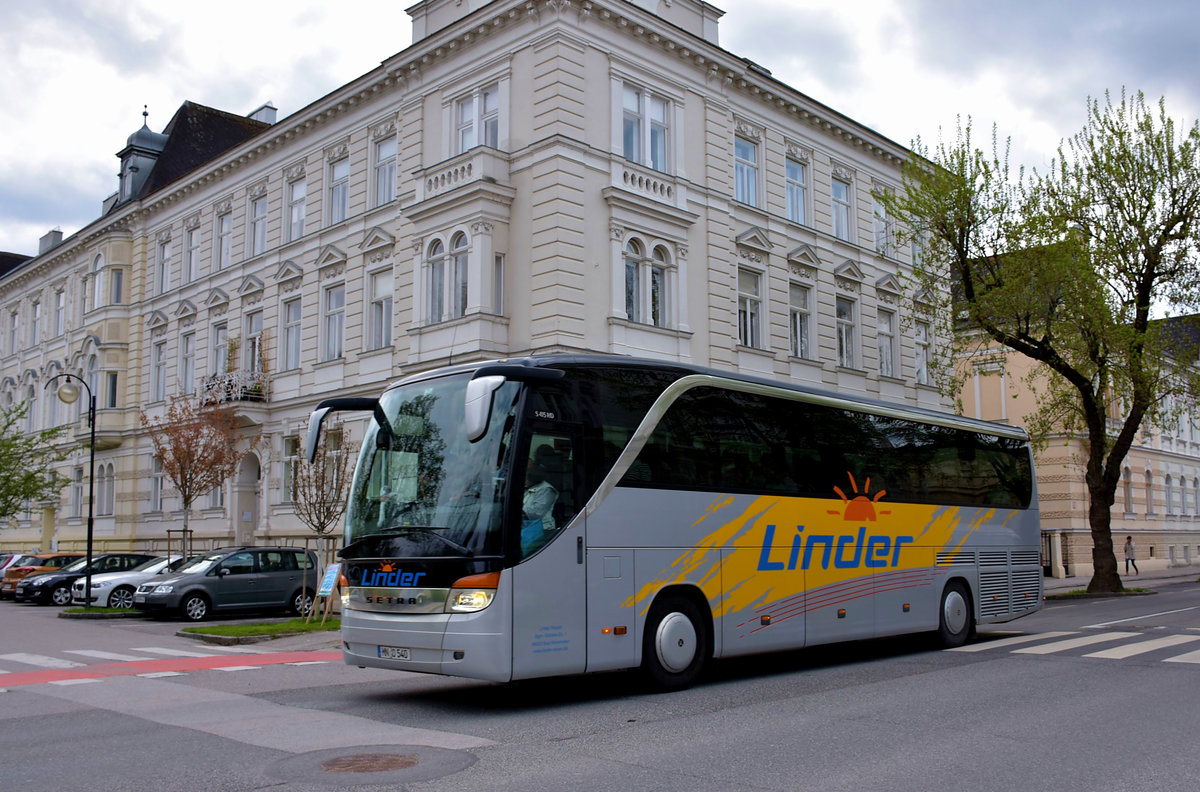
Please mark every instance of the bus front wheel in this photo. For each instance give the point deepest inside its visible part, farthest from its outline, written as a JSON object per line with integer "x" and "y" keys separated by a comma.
{"x": 956, "y": 619}
{"x": 675, "y": 644}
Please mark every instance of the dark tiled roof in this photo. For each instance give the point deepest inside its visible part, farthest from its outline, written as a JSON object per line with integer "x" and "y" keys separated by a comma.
{"x": 195, "y": 135}
{"x": 10, "y": 261}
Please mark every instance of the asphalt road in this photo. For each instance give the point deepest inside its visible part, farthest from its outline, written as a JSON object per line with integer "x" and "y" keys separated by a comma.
{"x": 1087, "y": 694}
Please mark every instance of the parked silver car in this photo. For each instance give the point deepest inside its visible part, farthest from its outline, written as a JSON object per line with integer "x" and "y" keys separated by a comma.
{"x": 116, "y": 589}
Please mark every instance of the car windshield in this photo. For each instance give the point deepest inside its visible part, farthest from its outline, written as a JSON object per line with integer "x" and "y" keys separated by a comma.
{"x": 201, "y": 563}
{"x": 27, "y": 560}
{"x": 177, "y": 564}
{"x": 146, "y": 566}
{"x": 75, "y": 566}
{"x": 423, "y": 479}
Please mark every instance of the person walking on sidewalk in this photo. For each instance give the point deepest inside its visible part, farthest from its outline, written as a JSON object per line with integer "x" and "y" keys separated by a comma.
{"x": 1130, "y": 556}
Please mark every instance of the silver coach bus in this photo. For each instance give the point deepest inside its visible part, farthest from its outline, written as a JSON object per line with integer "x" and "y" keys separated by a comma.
{"x": 571, "y": 513}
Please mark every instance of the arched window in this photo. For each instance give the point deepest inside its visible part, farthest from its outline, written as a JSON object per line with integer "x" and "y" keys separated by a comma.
{"x": 458, "y": 296}
{"x": 93, "y": 381}
{"x": 1170, "y": 504}
{"x": 436, "y": 267}
{"x": 106, "y": 485}
{"x": 1128, "y": 490}
{"x": 1149, "y": 493}
{"x": 31, "y": 416}
{"x": 658, "y": 287}
{"x": 633, "y": 281}
{"x": 98, "y": 281}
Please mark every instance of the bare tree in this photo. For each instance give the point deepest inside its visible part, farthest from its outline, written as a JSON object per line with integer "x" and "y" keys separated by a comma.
{"x": 197, "y": 446}
{"x": 322, "y": 486}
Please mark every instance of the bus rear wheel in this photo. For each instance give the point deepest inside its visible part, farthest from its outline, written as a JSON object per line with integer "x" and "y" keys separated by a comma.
{"x": 956, "y": 619}
{"x": 675, "y": 644}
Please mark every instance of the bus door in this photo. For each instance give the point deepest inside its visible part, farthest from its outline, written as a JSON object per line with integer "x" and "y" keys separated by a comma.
{"x": 550, "y": 582}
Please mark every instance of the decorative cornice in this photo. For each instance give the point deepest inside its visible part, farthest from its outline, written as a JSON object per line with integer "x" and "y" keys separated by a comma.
{"x": 257, "y": 190}
{"x": 799, "y": 152}
{"x": 337, "y": 152}
{"x": 294, "y": 173}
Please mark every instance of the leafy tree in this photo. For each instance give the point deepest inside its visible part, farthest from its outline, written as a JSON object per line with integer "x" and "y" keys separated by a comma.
{"x": 197, "y": 446}
{"x": 27, "y": 462}
{"x": 1064, "y": 268}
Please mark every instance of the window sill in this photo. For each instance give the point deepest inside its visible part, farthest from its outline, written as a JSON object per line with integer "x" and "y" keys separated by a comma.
{"x": 755, "y": 351}
{"x": 649, "y": 328}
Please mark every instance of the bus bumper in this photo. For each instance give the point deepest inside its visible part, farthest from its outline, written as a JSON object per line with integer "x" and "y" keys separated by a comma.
{"x": 473, "y": 645}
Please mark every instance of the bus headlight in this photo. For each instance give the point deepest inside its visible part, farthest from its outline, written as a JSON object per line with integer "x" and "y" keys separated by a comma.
{"x": 472, "y": 593}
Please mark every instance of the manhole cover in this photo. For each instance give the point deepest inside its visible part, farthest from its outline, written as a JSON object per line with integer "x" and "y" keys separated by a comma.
{"x": 369, "y": 763}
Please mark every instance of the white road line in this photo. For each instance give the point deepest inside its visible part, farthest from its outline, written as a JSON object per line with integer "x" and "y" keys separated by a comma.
{"x": 236, "y": 649}
{"x": 238, "y": 668}
{"x": 308, "y": 662}
{"x": 1190, "y": 657}
{"x": 161, "y": 674}
{"x": 41, "y": 661}
{"x": 99, "y": 655}
{"x": 1003, "y": 642}
{"x": 65, "y": 682}
{"x": 1073, "y": 643}
{"x": 1136, "y": 618}
{"x": 169, "y": 652}
{"x": 1129, "y": 650}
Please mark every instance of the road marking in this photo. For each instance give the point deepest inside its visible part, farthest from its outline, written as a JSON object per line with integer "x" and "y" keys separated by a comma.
{"x": 308, "y": 662}
{"x": 64, "y": 682}
{"x": 1135, "y": 618}
{"x": 170, "y": 652}
{"x": 161, "y": 674}
{"x": 41, "y": 661}
{"x": 102, "y": 655}
{"x": 1003, "y": 642}
{"x": 135, "y": 668}
{"x": 1129, "y": 650}
{"x": 239, "y": 668}
{"x": 1073, "y": 643}
{"x": 237, "y": 649}
{"x": 1190, "y": 657}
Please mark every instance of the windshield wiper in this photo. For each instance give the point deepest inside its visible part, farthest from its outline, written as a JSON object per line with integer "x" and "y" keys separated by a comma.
{"x": 463, "y": 549}
{"x": 401, "y": 530}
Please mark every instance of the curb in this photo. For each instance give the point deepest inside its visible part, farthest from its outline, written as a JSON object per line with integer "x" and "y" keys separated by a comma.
{"x": 1101, "y": 595}
{"x": 230, "y": 640}
{"x": 132, "y": 615}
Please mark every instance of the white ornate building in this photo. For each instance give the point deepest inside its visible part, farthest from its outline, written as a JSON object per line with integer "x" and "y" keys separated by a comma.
{"x": 528, "y": 175}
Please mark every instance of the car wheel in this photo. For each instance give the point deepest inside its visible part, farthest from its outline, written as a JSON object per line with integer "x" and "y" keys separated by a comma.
{"x": 302, "y": 602}
{"x": 956, "y": 619}
{"x": 61, "y": 595}
{"x": 194, "y": 607}
{"x": 675, "y": 644}
{"x": 121, "y": 597}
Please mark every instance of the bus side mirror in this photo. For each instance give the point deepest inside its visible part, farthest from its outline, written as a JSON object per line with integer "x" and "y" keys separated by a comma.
{"x": 478, "y": 406}
{"x": 314, "y": 432}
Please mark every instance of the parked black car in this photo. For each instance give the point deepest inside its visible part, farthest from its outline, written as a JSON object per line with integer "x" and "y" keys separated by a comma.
{"x": 234, "y": 578}
{"x": 55, "y": 587}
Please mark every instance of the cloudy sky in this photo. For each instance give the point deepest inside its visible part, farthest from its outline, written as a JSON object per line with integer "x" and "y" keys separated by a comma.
{"x": 75, "y": 74}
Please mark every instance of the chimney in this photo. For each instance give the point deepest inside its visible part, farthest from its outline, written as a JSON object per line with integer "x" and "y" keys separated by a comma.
{"x": 50, "y": 240}
{"x": 265, "y": 113}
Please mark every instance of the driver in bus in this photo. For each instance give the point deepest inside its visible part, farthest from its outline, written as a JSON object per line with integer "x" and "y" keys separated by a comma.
{"x": 537, "y": 518}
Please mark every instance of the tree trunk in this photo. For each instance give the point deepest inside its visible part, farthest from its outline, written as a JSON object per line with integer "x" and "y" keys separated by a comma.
{"x": 1105, "y": 578}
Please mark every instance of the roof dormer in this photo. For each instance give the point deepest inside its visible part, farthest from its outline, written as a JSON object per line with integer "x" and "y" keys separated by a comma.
{"x": 137, "y": 158}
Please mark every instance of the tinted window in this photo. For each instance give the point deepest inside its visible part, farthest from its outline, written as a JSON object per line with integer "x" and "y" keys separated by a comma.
{"x": 302, "y": 560}
{"x": 276, "y": 561}
{"x": 239, "y": 563}
{"x": 726, "y": 440}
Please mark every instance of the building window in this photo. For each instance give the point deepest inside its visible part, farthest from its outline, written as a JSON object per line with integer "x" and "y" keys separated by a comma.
{"x": 1170, "y": 504}
{"x": 448, "y": 279}
{"x": 291, "y": 458}
{"x": 60, "y": 312}
{"x": 749, "y": 308}
{"x": 633, "y": 281}
{"x": 477, "y": 121}
{"x": 111, "y": 378}
{"x": 253, "y": 348}
{"x": 498, "y": 284}
{"x": 77, "y": 492}
{"x": 886, "y": 338}
{"x": 339, "y": 190}
{"x": 883, "y": 231}
{"x": 645, "y": 129}
{"x": 106, "y": 486}
{"x": 216, "y": 497}
{"x": 187, "y": 363}
{"x": 93, "y": 380}
{"x": 258, "y": 225}
{"x": 846, "y": 321}
{"x": 224, "y": 246}
{"x": 922, "y": 353}
{"x": 158, "y": 371}
{"x": 1149, "y": 494}
{"x": 297, "y": 207}
{"x": 220, "y": 349}
{"x": 841, "y": 209}
{"x": 798, "y": 299}
{"x": 162, "y": 268}
{"x": 385, "y": 170}
{"x": 14, "y": 325}
{"x": 116, "y": 282}
{"x": 796, "y": 178}
{"x": 745, "y": 171}
{"x": 646, "y": 284}
{"x": 380, "y": 310}
{"x": 1127, "y": 490}
{"x": 35, "y": 322}
{"x": 291, "y": 335}
{"x": 333, "y": 323}
{"x": 97, "y": 281}
{"x": 31, "y": 414}
{"x": 156, "y": 485}
{"x": 191, "y": 255}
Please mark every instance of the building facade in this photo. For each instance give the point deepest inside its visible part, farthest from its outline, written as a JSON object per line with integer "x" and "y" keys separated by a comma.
{"x": 527, "y": 176}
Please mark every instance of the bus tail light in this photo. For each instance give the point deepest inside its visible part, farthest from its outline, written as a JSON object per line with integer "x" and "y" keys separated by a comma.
{"x": 473, "y": 593}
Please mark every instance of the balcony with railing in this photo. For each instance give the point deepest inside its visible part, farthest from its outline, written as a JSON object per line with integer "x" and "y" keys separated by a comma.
{"x": 243, "y": 385}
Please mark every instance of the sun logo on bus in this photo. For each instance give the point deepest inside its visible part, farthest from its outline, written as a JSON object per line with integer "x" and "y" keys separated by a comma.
{"x": 860, "y": 508}
{"x": 390, "y": 566}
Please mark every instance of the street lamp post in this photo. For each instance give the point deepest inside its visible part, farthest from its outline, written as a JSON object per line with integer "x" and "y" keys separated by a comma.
{"x": 68, "y": 393}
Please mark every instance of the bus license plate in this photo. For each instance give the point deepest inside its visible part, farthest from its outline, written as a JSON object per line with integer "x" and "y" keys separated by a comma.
{"x": 393, "y": 652}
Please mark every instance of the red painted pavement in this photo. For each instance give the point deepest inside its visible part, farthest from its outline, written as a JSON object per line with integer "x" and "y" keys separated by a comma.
{"x": 134, "y": 667}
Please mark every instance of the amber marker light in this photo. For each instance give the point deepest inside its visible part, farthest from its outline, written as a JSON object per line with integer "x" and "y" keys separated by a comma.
{"x": 473, "y": 593}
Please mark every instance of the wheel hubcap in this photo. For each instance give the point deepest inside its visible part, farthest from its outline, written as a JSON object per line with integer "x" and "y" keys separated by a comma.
{"x": 61, "y": 596}
{"x": 954, "y": 612}
{"x": 675, "y": 642}
{"x": 195, "y": 609}
{"x": 120, "y": 599}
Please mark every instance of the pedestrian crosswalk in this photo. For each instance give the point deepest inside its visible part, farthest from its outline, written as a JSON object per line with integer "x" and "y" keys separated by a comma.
{"x": 1121, "y": 645}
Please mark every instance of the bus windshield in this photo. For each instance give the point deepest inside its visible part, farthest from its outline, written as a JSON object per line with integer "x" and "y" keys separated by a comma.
{"x": 423, "y": 489}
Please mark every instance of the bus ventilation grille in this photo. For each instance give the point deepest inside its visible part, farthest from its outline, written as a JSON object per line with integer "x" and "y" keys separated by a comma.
{"x": 993, "y": 593}
{"x": 1026, "y": 558}
{"x": 1026, "y": 589}
{"x": 956, "y": 559}
{"x": 993, "y": 558}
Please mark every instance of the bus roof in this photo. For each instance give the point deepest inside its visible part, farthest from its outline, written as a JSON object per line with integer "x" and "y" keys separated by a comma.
{"x": 853, "y": 402}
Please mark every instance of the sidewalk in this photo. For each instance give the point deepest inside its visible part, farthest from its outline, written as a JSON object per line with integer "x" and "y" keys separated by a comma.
{"x": 1147, "y": 579}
